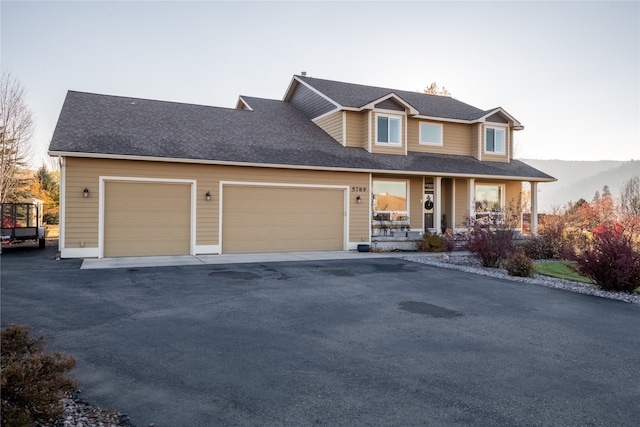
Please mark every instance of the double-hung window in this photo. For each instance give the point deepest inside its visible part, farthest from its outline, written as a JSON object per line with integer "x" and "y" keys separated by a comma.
{"x": 430, "y": 134}
{"x": 494, "y": 140}
{"x": 388, "y": 129}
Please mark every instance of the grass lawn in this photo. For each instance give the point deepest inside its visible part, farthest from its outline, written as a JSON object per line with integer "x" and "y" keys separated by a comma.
{"x": 560, "y": 270}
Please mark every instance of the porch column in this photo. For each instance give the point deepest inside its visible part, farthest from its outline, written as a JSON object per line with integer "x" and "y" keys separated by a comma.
{"x": 533, "y": 225}
{"x": 437, "y": 205}
{"x": 471, "y": 198}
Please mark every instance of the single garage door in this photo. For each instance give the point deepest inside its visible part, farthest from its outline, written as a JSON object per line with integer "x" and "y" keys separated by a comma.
{"x": 145, "y": 219}
{"x": 282, "y": 219}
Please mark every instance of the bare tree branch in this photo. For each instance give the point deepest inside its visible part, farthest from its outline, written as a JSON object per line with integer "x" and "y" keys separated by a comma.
{"x": 16, "y": 129}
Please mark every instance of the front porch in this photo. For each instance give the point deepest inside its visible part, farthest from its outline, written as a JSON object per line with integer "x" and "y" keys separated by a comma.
{"x": 406, "y": 207}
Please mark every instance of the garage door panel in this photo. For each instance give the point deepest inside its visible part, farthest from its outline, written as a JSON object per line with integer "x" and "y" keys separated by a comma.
{"x": 282, "y": 219}
{"x": 144, "y": 219}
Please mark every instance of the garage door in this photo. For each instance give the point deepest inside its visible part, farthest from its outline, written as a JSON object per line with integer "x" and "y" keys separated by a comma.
{"x": 282, "y": 219}
{"x": 144, "y": 219}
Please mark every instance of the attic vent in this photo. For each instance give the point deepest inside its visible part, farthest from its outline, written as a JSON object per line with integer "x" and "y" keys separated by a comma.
{"x": 304, "y": 73}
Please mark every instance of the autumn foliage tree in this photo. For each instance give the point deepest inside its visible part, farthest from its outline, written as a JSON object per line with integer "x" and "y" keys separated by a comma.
{"x": 434, "y": 89}
{"x": 45, "y": 186}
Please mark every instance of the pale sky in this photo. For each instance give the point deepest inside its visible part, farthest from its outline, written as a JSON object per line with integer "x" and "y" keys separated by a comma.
{"x": 568, "y": 71}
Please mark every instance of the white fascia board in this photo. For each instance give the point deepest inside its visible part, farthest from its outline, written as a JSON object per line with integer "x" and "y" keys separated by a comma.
{"x": 241, "y": 101}
{"x": 298, "y": 167}
{"x": 516, "y": 124}
{"x": 442, "y": 119}
{"x": 371, "y": 105}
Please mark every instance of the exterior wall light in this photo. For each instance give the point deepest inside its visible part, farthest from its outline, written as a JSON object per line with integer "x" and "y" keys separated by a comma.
{"x": 358, "y": 199}
{"x": 207, "y": 196}
{"x": 85, "y": 192}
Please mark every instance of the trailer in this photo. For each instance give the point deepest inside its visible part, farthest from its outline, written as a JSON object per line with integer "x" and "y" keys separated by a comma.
{"x": 22, "y": 222}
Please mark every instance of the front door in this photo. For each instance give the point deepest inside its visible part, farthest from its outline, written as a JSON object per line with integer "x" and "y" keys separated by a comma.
{"x": 428, "y": 210}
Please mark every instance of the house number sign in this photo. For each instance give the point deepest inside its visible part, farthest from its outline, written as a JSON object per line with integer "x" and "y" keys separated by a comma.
{"x": 358, "y": 189}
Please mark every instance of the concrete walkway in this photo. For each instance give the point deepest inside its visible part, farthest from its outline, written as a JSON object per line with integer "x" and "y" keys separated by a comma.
{"x": 168, "y": 261}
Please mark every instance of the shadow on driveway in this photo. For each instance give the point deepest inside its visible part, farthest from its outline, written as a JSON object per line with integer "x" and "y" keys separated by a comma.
{"x": 341, "y": 343}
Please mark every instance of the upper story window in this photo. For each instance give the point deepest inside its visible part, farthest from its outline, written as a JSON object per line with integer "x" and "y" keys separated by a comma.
{"x": 388, "y": 129}
{"x": 494, "y": 140}
{"x": 430, "y": 134}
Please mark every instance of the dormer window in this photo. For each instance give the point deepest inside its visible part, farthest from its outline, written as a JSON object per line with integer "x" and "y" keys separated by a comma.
{"x": 494, "y": 140}
{"x": 388, "y": 129}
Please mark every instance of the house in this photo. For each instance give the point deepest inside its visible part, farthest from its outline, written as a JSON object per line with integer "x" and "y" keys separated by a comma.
{"x": 320, "y": 169}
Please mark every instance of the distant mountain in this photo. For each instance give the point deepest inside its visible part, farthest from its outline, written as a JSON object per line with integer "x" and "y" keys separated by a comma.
{"x": 579, "y": 179}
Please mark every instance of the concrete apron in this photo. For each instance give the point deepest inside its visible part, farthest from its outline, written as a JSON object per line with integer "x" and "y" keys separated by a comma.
{"x": 168, "y": 261}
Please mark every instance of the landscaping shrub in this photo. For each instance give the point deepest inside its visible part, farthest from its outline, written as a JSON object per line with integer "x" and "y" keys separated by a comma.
{"x": 551, "y": 241}
{"x": 610, "y": 260}
{"x": 491, "y": 246}
{"x": 32, "y": 381}
{"x": 435, "y": 243}
{"x": 520, "y": 265}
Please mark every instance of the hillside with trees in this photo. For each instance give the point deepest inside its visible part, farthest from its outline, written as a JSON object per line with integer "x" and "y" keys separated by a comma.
{"x": 581, "y": 180}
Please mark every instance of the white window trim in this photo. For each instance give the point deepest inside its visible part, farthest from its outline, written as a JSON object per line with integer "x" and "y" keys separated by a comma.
{"x": 484, "y": 140}
{"x": 400, "y": 133}
{"x": 503, "y": 190}
{"x": 434, "y": 144}
{"x": 101, "y": 204}
{"x": 408, "y": 189}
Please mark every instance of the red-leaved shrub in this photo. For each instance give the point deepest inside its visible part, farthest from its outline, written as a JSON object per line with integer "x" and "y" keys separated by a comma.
{"x": 491, "y": 246}
{"x": 610, "y": 260}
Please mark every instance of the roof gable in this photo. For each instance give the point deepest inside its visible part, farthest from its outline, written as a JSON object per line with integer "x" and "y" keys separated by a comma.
{"x": 359, "y": 97}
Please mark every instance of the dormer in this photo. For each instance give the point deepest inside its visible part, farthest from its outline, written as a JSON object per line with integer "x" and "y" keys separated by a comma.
{"x": 387, "y": 119}
{"x": 495, "y": 136}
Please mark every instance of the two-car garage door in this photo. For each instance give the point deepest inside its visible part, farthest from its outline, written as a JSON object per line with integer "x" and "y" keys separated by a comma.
{"x": 258, "y": 218}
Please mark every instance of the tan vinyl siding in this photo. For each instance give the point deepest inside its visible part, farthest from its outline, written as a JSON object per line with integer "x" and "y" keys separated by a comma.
{"x": 461, "y": 204}
{"x": 456, "y": 138}
{"x": 82, "y": 214}
{"x": 513, "y": 200}
{"x": 416, "y": 193}
{"x": 357, "y": 125}
{"x": 476, "y": 141}
{"x": 332, "y": 124}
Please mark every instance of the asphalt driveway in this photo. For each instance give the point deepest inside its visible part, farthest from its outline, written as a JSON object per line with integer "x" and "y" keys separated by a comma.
{"x": 339, "y": 343}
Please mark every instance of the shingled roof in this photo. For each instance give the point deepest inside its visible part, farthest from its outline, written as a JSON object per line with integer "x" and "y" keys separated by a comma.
{"x": 357, "y": 96}
{"x": 273, "y": 133}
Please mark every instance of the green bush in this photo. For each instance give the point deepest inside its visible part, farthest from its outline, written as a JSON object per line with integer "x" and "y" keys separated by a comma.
{"x": 32, "y": 381}
{"x": 520, "y": 265}
{"x": 434, "y": 243}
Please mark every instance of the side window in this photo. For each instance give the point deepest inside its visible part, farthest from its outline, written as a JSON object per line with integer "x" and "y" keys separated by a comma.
{"x": 494, "y": 140}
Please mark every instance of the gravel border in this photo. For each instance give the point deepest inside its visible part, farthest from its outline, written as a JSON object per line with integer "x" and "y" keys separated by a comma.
{"x": 470, "y": 264}
{"x": 78, "y": 413}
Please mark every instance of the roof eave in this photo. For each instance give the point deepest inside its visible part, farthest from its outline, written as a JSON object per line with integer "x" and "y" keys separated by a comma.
{"x": 55, "y": 153}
